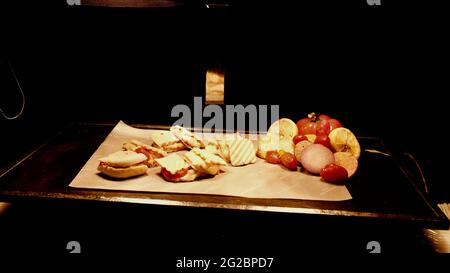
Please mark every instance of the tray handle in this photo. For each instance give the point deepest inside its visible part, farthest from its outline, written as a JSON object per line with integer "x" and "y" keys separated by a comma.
{"x": 419, "y": 176}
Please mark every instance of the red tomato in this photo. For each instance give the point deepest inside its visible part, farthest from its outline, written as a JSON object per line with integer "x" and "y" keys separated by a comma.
{"x": 289, "y": 161}
{"x": 169, "y": 176}
{"x": 324, "y": 140}
{"x": 334, "y": 123}
{"x": 317, "y": 125}
{"x": 324, "y": 117}
{"x": 323, "y": 127}
{"x": 333, "y": 173}
{"x": 299, "y": 138}
{"x": 273, "y": 157}
{"x": 308, "y": 128}
{"x": 141, "y": 150}
{"x": 302, "y": 122}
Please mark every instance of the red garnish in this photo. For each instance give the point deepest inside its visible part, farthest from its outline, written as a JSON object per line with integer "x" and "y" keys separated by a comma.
{"x": 170, "y": 176}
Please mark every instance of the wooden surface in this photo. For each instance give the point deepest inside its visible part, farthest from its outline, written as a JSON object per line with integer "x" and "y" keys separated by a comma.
{"x": 380, "y": 191}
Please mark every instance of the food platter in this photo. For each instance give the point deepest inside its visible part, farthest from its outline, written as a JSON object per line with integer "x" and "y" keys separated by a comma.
{"x": 296, "y": 161}
{"x": 387, "y": 195}
{"x": 258, "y": 180}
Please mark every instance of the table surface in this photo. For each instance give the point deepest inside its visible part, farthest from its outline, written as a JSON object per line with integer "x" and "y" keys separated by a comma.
{"x": 380, "y": 190}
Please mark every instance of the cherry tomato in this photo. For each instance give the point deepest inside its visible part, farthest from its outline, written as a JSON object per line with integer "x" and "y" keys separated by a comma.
{"x": 273, "y": 157}
{"x": 324, "y": 140}
{"x": 299, "y": 138}
{"x": 289, "y": 161}
{"x": 333, "y": 173}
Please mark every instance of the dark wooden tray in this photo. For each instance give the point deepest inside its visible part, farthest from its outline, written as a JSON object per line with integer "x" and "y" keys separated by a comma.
{"x": 380, "y": 190}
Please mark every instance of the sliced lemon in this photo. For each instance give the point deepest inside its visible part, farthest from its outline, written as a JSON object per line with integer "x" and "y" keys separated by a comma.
{"x": 299, "y": 147}
{"x": 343, "y": 140}
{"x": 284, "y": 127}
{"x": 286, "y": 144}
{"x": 346, "y": 160}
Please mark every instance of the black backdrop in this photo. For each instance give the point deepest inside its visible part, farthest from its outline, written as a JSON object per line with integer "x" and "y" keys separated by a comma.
{"x": 380, "y": 70}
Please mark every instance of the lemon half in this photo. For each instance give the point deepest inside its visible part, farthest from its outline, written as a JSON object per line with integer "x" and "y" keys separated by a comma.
{"x": 285, "y": 128}
{"x": 343, "y": 140}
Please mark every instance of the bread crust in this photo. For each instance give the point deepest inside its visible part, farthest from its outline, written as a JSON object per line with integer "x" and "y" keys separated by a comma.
{"x": 123, "y": 172}
{"x": 191, "y": 175}
{"x": 123, "y": 159}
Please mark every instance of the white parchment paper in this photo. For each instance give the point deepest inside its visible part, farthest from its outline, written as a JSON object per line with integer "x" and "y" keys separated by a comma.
{"x": 259, "y": 180}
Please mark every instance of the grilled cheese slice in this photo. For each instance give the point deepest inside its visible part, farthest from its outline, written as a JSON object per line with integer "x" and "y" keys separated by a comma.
{"x": 209, "y": 158}
{"x": 220, "y": 145}
{"x": 187, "y": 137}
{"x": 178, "y": 169}
{"x": 173, "y": 163}
{"x": 196, "y": 162}
{"x": 150, "y": 152}
{"x": 167, "y": 141}
{"x": 213, "y": 162}
{"x": 213, "y": 147}
{"x": 224, "y": 150}
{"x": 242, "y": 152}
{"x": 204, "y": 161}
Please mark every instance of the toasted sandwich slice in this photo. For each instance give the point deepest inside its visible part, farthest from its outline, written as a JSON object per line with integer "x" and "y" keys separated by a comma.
{"x": 209, "y": 158}
{"x": 150, "y": 152}
{"x": 223, "y": 144}
{"x": 211, "y": 161}
{"x": 224, "y": 150}
{"x": 123, "y": 164}
{"x": 174, "y": 168}
{"x": 167, "y": 141}
{"x": 123, "y": 159}
{"x": 187, "y": 137}
{"x": 196, "y": 162}
{"x": 242, "y": 152}
{"x": 213, "y": 147}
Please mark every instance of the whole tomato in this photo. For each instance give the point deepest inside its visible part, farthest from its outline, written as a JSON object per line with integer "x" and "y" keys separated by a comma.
{"x": 301, "y": 123}
{"x": 334, "y": 123}
{"x": 324, "y": 117}
{"x": 317, "y": 125}
{"x": 323, "y": 127}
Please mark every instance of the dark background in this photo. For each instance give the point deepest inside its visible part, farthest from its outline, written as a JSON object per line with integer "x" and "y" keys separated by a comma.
{"x": 380, "y": 70}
